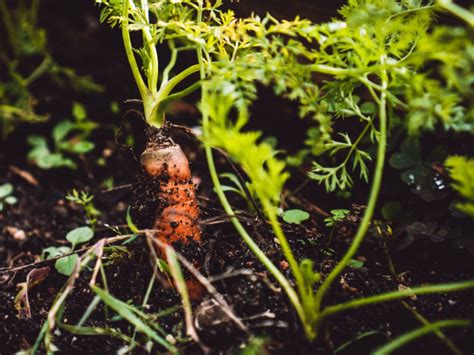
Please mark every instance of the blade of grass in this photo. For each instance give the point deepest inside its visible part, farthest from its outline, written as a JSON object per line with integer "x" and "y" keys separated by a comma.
{"x": 96, "y": 331}
{"x": 123, "y": 310}
{"x": 414, "y": 334}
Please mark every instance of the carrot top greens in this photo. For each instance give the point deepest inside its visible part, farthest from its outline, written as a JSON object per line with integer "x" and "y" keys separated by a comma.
{"x": 383, "y": 64}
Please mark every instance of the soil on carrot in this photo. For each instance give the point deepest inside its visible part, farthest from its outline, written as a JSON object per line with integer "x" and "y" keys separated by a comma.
{"x": 43, "y": 216}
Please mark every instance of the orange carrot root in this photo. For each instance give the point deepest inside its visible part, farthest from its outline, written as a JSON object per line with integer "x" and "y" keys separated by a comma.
{"x": 176, "y": 219}
{"x": 179, "y": 211}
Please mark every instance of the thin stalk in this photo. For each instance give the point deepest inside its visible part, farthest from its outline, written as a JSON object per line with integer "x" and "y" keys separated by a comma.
{"x": 176, "y": 96}
{"x": 8, "y": 23}
{"x": 166, "y": 90}
{"x": 285, "y": 247}
{"x": 395, "y": 295}
{"x": 458, "y": 11}
{"x": 91, "y": 308}
{"x": 281, "y": 279}
{"x": 410, "y": 336}
{"x": 374, "y": 192}
{"x": 127, "y": 42}
{"x": 171, "y": 63}
{"x": 155, "y": 116}
{"x": 438, "y": 332}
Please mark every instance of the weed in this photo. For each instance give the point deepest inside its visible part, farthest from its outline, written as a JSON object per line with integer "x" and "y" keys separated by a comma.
{"x": 85, "y": 200}
{"x": 65, "y": 265}
{"x": 6, "y": 196}
{"x": 69, "y": 137}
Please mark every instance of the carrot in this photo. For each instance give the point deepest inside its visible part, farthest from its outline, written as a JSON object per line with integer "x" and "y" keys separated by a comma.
{"x": 176, "y": 219}
{"x": 178, "y": 214}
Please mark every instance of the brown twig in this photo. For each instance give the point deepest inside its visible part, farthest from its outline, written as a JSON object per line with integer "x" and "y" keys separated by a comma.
{"x": 25, "y": 175}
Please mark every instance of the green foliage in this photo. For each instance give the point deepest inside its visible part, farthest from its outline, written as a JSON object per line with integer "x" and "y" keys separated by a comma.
{"x": 25, "y": 43}
{"x": 409, "y": 161}
{"x": 375, "y": 69}
{"x": 65, "y": 265}
{"x": 336, "y": 216}
{"x": 236, "y": 187}
{"x": 79, "y": 235}
{"x": 391, "y": 210}
{"x": 461, "y": 170}
{"x": 257, "y": 158}
{"x": 295, "y": 216}
{"x": 69, "y": 137}
{"x": 394, "y": 41}
{"x": 87, "y": 202}
{"x": 6, "y": 196}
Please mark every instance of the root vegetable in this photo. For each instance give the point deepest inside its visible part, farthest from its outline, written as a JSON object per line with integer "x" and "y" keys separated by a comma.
{"x": 178, "y": 213}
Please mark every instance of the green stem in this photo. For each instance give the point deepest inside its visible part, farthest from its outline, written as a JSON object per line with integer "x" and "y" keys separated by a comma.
{"x": 394, "y": 295}
{"x": 176, "y": 96}
{"x": 171, "y": 63}
{"x": 148, "y": 40}
{"x": 376, "y": 184}
{"x": 127, "y": 42}
{"x": 441, "y": 336}
{"x": 458, "y": 11}
{"x": 156, "y": 114}
{"x": 410, "y": 336}
{"x": 285, "y": 246}
{"x": 8, "y": 23}
{"x": 281, "y": 279}
{"x": 40, "y": 70}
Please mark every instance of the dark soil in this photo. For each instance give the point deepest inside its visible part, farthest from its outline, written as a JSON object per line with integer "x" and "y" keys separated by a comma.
{"x": 43, "y": 216}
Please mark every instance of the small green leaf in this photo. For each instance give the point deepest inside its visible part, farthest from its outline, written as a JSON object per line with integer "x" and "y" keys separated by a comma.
{"x": 11, "y": 200}
{"x": 307, "y": 269}
{"x": 114, "y": 107}
{"x": 37, "y": 141}
{"x": 130, "y": 223}
{"x": 66, "y": 265}
{"x": 79, "y": 111}
{"x": 61, "y": 130}
{"x": 53, "y": 252}
{"x": 392, "y": 210}
{"x": 401, "y": 161}
{"x": 355, "y": 263}
{"x": 295, "y": 216}
{"x": 5, "y": 190}
{"x": 128, "y": 313}
{"x": 80, "y": 235}
{"x": 367, "y": 108}
{"x": 83, "y": 147}
{"x": 413, "y": 176}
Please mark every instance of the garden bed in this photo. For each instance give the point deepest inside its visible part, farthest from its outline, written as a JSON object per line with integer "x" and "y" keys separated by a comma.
{"x": 393, "y": 256}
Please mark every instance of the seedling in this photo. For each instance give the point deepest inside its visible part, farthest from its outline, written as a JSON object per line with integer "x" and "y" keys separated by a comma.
{"x": 69, "y": 137}
{"x": 295, "y": 216}
{"x": 65, "y": 265}
{"x": 87, "y": 202}
{"x": 6, "y": 196}
{"x": 336, "y": 216}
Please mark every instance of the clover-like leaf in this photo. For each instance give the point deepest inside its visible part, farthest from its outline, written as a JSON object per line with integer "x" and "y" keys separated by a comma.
{"x": 6, "y": 190}
{"x": 66, "y": 265}
{"x": 61, "y": 130}
{"x": 80, "y": 235}
{"x": 295, "y": 216}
